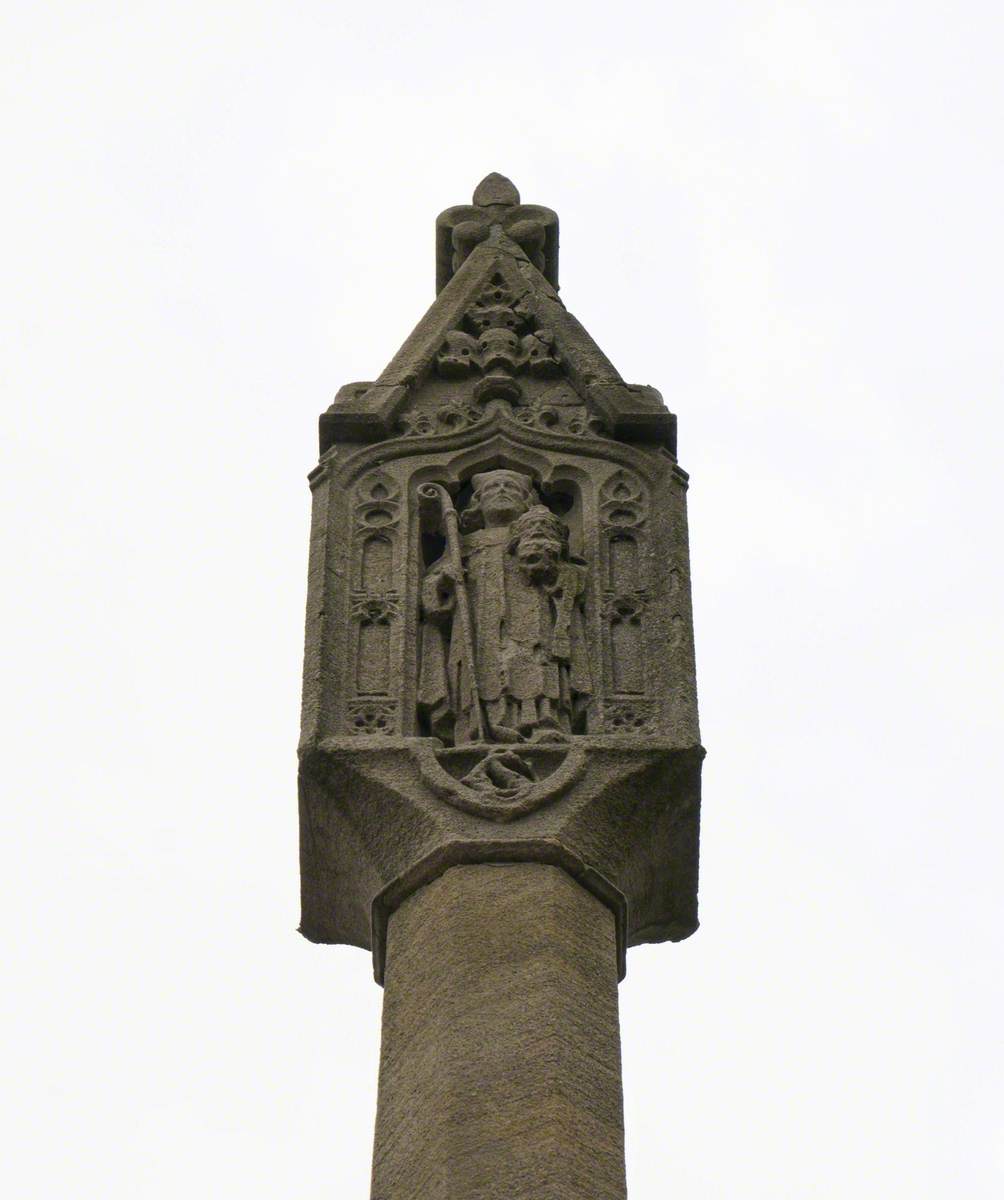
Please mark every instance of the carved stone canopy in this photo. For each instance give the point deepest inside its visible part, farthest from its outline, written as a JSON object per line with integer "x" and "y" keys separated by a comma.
{"x": 499, "y": 317}
{"x": 499, "y": 662}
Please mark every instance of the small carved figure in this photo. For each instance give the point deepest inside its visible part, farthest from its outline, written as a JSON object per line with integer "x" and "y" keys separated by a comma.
{"x": 500, "y": 338}
{"x": 504, "y": 655}
{"x": 501, "y": 774}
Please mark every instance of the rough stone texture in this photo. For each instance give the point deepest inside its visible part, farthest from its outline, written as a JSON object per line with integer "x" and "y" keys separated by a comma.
{"x": 365, "y": 412}
{"x": 498, "y": 676}
{"x": 496, "y": 205}
{"x": 500, "y": 1062}
{"x": 380, "y": 817}
{"x": 503, "y": 656}
{"x": 500, "y": 755}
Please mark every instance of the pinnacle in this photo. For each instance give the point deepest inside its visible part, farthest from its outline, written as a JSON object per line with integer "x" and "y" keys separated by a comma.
{"x": 495, "y": 189}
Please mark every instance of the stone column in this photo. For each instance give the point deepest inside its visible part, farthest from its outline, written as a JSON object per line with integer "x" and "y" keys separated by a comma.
{"x": 500, "y": 757}
{"x": 500, "y": 1063}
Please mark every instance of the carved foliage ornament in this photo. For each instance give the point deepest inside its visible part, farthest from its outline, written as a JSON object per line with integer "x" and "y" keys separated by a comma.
{"x": 497, "y": 337}
{"x": 496, "y": 208}
{"x": 622, "y": 501}
{"x": 540, "y": 414}
{"x": 374, "y": 608}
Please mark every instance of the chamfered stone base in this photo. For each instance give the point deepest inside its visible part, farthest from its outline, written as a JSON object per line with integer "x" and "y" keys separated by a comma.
{"x": 500, "y": 1062}
{"x": 380, "y": 818}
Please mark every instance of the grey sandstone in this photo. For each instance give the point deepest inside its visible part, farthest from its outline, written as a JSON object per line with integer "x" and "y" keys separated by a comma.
{"x": 500, "y": 755}
{"x": 500, "y": 1060}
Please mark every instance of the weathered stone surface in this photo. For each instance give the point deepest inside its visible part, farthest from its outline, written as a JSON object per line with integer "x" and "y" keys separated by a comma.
{"x": 500, "y": 1060}
{"x": 503, "y": 655}
{"x": 500, "y": 754}
{"x": 407, "y": 386}
{"x": 380, "y": 817}
{"x": 496, "y": 210}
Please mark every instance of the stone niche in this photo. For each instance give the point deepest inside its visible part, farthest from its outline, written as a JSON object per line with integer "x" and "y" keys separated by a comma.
{"x": 499, "y": 661}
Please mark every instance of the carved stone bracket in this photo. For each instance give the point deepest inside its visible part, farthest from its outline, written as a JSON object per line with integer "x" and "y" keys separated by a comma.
{"x": 618, "y": 815}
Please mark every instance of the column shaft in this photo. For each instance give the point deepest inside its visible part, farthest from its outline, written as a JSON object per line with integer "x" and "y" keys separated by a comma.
{"x": 500, "y": 1073}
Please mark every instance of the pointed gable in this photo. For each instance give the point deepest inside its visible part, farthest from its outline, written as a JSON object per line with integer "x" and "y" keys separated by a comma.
{"x": 498, "y": 325}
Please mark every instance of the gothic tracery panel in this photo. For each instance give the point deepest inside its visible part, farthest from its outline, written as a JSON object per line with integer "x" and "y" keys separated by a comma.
{"x": 374, "y": 605}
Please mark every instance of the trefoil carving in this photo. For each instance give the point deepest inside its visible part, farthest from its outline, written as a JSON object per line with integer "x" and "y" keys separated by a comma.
{"x": 372, "y": 717}
{"x": 622, "y": 501}
{"x": 629, "y": 716}
{"x": 373, "y": 608}
{"x": 378, "y": 502}
{"x": 497, "y": 339}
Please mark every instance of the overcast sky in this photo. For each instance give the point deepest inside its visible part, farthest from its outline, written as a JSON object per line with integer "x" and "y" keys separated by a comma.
{"x": 786, "y": 217}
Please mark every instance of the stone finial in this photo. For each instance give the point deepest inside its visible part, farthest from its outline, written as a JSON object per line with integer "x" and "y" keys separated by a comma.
{"x": 496, "y": 206}
{"x": 495, "y": 189}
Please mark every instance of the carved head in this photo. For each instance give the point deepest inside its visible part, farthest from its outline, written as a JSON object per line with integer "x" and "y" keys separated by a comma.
{"x": 458, "y": 354}
{"x": 539, "y": 541}
{"x": 499, "y": 498}
{"x": 488, "y": 315}
{"x": 499, "y": 348}
{"x": 496, "y": 325}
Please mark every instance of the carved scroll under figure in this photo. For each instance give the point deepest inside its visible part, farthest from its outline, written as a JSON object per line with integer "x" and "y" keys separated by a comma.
{"x": 503, "y": 648}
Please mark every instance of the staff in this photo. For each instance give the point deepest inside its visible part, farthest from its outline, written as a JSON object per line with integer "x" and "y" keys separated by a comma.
{"x": 436, "y": 494}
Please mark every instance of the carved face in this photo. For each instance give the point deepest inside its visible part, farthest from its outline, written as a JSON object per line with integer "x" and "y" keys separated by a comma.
{"x": 499, "y": 348}
{"x": 502, "y": 496}
{"x": 538, "y": 543}
{"x": 538, "y": 555}
{"x": 458, "y": 354}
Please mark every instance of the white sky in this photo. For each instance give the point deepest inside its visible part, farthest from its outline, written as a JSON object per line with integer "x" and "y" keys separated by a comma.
{"x": 785, "y": 216}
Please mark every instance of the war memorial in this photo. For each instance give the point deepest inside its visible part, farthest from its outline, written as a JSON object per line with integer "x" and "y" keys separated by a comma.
{"x": 500, "y": 756}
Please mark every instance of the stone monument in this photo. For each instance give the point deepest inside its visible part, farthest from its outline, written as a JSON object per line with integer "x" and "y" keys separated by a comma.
{"x": 500, "y": 757}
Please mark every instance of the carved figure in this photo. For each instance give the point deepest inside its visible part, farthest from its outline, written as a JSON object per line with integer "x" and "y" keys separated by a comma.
{"x": 504, "y": 656}
{"x": 501, "y": 774}
{"x": 500, "y": 338}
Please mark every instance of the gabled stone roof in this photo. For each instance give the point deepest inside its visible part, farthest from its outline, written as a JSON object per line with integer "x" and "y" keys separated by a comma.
{"x": 372, "y": 411}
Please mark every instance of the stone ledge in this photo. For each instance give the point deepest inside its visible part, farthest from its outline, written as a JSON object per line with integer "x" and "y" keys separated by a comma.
{"x": 377, "y": 823}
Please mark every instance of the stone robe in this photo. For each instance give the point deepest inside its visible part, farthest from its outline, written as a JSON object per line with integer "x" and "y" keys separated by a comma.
{"x": 529, "y": 645}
